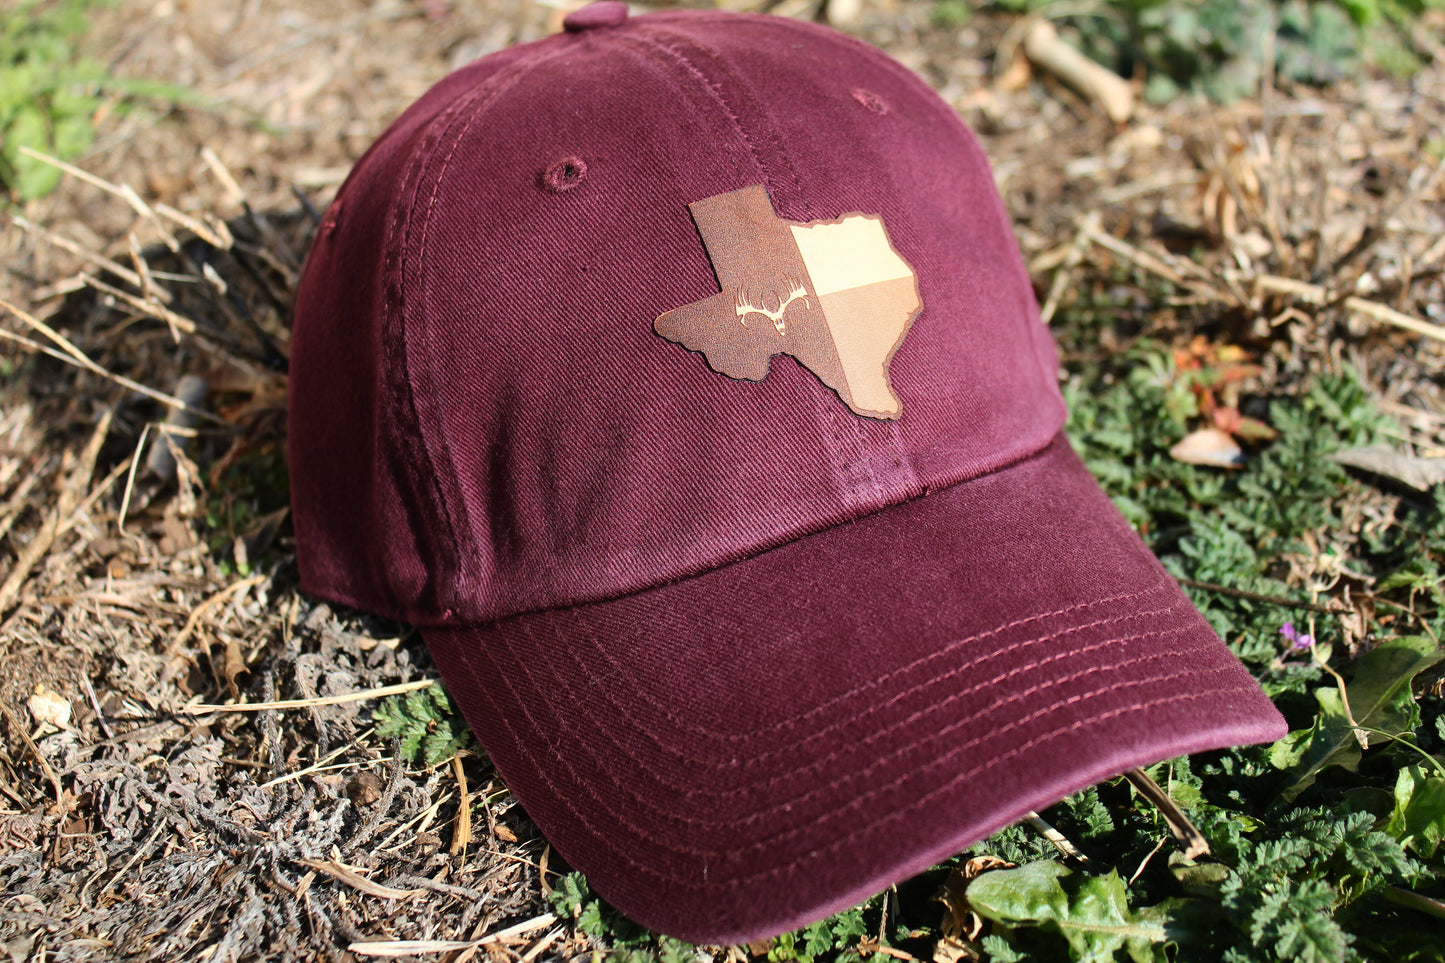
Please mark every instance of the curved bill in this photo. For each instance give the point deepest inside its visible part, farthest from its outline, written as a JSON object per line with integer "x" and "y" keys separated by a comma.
{"x": 743, "y": 752}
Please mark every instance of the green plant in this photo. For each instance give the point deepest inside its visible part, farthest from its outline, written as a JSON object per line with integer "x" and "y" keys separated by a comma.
{"x": 428, "y": 725}
{"x": 48, "y": 92}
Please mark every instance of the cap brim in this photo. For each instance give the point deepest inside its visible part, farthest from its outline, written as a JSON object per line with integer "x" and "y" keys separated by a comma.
{"x": 740, "y": 753}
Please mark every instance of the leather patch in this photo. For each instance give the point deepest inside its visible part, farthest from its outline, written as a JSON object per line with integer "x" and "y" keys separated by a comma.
{"x": 833, "y": 294}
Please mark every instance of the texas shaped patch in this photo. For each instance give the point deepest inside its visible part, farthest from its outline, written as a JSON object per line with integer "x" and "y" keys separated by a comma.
{"x": 835, "y": 295}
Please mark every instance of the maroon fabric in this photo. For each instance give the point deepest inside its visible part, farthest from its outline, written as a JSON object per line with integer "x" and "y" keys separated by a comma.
{"x": 741, "y": 753}
{"x": 487, "y": 343}
{"x": 744, "y": 655}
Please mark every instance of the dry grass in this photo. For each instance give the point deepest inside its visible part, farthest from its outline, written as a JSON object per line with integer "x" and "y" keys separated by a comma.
{"x": 149, "y": 575}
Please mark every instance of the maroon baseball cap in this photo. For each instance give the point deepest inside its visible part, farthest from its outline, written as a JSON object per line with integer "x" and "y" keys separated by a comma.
{"x": 679, "y": 376}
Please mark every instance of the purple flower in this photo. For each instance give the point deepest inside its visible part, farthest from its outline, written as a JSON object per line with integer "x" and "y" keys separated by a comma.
{"x": 1298, "y": 640}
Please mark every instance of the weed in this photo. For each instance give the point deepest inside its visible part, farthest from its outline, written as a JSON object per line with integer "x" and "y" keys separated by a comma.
{"x": 48, "y": 93}
{"x": 428, "y": 725}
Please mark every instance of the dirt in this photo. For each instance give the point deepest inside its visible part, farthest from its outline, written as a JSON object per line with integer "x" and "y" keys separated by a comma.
{"x": 180, "y": 834}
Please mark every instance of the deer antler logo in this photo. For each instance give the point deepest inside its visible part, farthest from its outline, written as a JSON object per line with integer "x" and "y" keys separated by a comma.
{"x": 796, "y": 292}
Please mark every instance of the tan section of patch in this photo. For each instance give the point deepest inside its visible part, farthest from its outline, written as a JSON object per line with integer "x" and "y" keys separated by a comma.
{"x": 869, "y": 297}
{"x": 868, "y": 323}
{"x": 848, "y": 253}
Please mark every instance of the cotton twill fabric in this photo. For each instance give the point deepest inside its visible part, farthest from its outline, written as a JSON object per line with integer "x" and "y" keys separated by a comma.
{"x": 751, "y": 749}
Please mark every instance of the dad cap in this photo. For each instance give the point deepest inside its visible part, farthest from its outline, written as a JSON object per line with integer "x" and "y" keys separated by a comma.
{"x": 679, "y": 377}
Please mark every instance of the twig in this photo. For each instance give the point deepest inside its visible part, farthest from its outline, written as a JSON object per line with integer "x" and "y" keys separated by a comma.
{"x": 19, "y": 497}
{"x": 73, "y": 355}
{"x": 1103, "y": 86}
{"x": 194, "y": 619}
{"x": 462, "y": 834}
{"x": 1317, "y": 294}
{"x": 94, "y": 496}
{"x": 393, "y": 948}
{"x": 1145, "y": 861}
{"x": 65, "y": 243}
{"x": 1155, "y": 265}
{"x": 1080, "y": 243}
{"x": 89, "y": 688}
{"x": 1179, "y": 824}
{"x": 69, "y": 495}
{"x": 343, "y": 873}
{"x": 176, "y": 322}
{"x": 40, "y": 758}
{"x": 542, "y": 944}
{"x": 386, "y": 690}
{"x": 1267, "y": 599}
{"x": 1060, "y": 841}
{"x": 1414, "y": 901}
{"x": 314, "y": 768}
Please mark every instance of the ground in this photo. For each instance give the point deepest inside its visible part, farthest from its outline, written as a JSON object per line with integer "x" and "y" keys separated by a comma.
{"x": 145, "y": 579}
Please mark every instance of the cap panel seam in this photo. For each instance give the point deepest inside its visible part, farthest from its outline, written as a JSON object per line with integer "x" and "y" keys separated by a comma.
{"x": 826, "y": 418}
{"x": 827, "y": 414}
{"x": 394, "y": 347}
{"x": 1033, "y": 327}
{"x": 442, "y": 484}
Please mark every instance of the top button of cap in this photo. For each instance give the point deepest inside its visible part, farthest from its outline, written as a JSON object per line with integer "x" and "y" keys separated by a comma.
{"x": 603, "y": 13}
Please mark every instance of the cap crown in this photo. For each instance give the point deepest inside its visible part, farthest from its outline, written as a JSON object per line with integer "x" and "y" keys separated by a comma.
{"x": 494, "y": 408}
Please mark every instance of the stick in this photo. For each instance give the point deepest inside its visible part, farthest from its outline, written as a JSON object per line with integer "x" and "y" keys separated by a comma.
{"x": 1267, "y": 599}
{"x": 1317, "y": 294}
{"x": 194, "y": 619}
{"x": 73, "y": 355}
{"x": 1044, "y": 47}
{"x": 36, "y": 548}
{"x": 410, "y": 947}
{"x": 1179, "y": 824}
{"x": 65, "y": 243}
{"x": 462, "y": 834}
{"x": 344, "y": 874}
{"x": 1060, "y": 841}
{"x": 386, "y": 690}
{"x": 35, "y": 751}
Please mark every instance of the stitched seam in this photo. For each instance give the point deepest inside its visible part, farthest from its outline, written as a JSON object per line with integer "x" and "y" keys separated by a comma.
{"x": 871, "y": 708}
{"x": 411, "y": 439}
{"x": 881, "y": 761}
{"x": 873, "y": 683}
{"x": 690, "y": 882}
{"x": 479, "y": 101}
{"x": 850, "y": 433}
{"x": 824, "y": 761}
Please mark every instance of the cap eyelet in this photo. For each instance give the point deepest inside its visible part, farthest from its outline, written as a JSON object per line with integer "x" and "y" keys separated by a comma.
{"x": 870, "y": 100}
{"x": 564, "y": 175}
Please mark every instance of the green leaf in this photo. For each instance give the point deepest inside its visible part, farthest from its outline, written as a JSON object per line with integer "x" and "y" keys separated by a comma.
{"x": 1418, "y": 820}
{"x": 1092, "y": 915}
{"x": 32, "y": 178}
{"x": 1379, "y": 698}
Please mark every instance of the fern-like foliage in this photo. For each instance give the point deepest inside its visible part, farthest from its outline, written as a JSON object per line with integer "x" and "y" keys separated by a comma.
{"x": 427, "y": 723}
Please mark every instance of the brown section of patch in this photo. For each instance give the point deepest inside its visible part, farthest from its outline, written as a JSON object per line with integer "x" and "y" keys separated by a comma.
{"x": 758, "y": 313}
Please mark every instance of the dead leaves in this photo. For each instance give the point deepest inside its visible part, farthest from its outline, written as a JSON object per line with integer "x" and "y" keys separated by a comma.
{"x": 1412, "y": 471}
{"x": 961, "y": 926}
